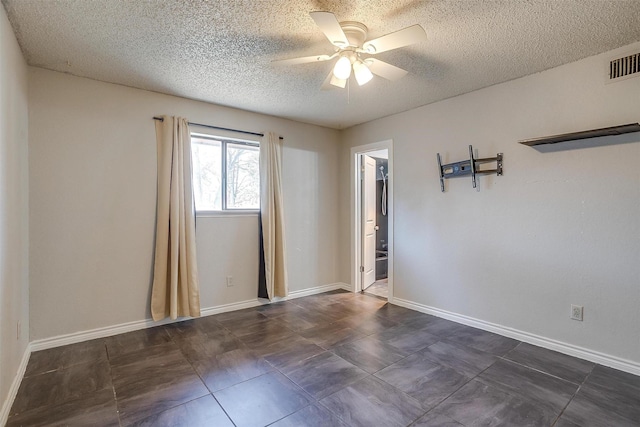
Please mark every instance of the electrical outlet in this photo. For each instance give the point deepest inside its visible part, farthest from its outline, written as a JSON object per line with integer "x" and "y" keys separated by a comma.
{"x": 229, "y": 281}
{"x": 576, "y": 312}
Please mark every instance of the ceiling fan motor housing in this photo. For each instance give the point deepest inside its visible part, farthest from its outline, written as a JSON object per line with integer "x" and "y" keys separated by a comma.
{"x": 356, "y": 32}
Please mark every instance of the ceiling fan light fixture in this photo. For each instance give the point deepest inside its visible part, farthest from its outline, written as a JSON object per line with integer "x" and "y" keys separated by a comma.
{"x": 342, "y": 69}
{"x": 349, "y": 39}
{"x": 362, "y": 72}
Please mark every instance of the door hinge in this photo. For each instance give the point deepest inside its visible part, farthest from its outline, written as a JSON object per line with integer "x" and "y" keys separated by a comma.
{"x": 362, "y": 269}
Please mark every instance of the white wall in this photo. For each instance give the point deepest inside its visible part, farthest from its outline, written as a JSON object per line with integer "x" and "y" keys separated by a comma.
{"x": 93, "y": 192}
{"x": 557, "y": 229}
{"x": 14, "y": 234}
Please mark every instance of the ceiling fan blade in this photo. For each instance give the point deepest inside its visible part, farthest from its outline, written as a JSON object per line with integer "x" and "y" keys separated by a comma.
{"x": 341, "y": 83}
{"x": 303, "y": 60}
{"x": 401, "y": 38}
{"x": 329, "y": 25}
{"x": 331, "y": 82}
{"x": 385, "y": 70}
{"x": 326, "y": 85}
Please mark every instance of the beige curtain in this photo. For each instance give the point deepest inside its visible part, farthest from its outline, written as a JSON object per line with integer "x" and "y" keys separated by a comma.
{"x": 272, "y": 214}
{"x": 175, "y": 289}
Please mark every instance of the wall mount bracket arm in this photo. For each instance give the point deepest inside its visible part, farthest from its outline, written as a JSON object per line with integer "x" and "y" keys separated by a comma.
{"x": 468, "y": 167}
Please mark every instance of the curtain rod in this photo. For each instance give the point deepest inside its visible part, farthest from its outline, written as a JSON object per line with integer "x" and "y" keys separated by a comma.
{"x": 246, "y": 132}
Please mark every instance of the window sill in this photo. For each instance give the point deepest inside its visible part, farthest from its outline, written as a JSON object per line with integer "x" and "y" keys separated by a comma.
{"x": 227, "y": 213}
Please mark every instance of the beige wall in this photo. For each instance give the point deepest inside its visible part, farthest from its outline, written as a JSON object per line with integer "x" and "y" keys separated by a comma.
{"x": 557, "y": 229}
{"x": 14, "y": 208}
{"x": 93, "y": 191}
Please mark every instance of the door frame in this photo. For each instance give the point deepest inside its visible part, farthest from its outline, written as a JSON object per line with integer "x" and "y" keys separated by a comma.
{"x": 356, "y": 212}
{"x": 369, "y": 169}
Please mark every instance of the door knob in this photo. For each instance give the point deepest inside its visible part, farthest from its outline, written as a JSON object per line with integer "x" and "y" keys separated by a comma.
{"x": 377, "y": 227}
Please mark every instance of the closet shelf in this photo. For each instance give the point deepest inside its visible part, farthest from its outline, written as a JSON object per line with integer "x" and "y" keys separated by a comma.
{"x": 615, "y": 130}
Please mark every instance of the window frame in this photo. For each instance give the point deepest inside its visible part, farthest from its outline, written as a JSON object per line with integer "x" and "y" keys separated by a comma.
{"x": 224, "y": 141}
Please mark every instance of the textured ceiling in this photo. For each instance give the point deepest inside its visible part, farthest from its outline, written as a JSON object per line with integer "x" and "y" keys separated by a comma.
{"x": 221, "y": 51}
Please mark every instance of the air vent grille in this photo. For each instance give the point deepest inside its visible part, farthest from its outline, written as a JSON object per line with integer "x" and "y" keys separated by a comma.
{"x": 624, "y": 66}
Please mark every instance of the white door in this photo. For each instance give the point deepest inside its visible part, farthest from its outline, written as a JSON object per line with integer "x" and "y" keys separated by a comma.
{"x": 368, "y": 221}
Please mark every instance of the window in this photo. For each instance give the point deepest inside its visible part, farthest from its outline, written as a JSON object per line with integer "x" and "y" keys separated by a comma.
{"x": 226, "y": 174}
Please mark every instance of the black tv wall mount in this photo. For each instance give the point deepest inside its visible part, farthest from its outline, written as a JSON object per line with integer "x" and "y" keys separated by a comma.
{"x": 468, "y": 167}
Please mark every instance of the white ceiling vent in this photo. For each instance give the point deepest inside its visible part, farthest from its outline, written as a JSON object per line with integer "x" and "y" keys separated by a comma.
{"x": 624, "y": 67}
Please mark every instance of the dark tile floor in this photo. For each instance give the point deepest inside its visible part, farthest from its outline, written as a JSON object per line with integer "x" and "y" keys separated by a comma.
{"x": 335, "y": 359}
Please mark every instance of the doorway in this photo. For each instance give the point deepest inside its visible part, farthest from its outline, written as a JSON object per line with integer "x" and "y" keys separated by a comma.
{"x": 372, "y": 219}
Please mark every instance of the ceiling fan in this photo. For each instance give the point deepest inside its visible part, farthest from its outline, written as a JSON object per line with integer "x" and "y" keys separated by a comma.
{"x": 350, "y": 40}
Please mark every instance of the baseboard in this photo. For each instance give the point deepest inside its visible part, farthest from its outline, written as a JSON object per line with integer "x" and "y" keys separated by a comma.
{"x": 540, "y": 341}
{"x": 317, "y": 290}
{"x": 225, "y": 308}
{"x": 15, "y": 385}
{"x": 108, "y": 331}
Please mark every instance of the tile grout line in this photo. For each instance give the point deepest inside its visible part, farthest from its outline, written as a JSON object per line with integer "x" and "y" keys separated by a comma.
{"x": 223, "y": 410}
{"x": 369, "y": 375}
{"x": 314, "y": 399}
{"x": 470, "y": 379}
{"x": 273, "y": 368}
{"x": 573, "y": 396}
{"x": 503, "y": 358}
{"x": 199, "y": 376}
{"x": 186, "y": 360}
{"x": 113, "y": 387}
{"x": 437, "y": 363}
{"x": 538, "y": 370}
{"x": 60, "y": 370}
